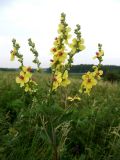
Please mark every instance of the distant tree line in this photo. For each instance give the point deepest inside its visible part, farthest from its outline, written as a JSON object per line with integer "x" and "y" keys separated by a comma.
{"x": 8, "y": 69}
{"x": 83, "y": 68}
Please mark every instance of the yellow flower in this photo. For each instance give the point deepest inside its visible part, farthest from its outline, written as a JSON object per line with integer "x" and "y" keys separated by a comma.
{"x": 97, "y": 73}
{"x": 60, "y": 56}
{"x": 88, "y": 82}
{"x": 77, "y": 45}
{"x": 74, "y": 98}
{"x": 22, "y": 79}
{"x": 57, "y": 41}
{"x": 65, "y": 80}
{"x": 27, "y": 71}
{"x": 13, "y": 53}
{"x": 99, "y": 54}
{"x": 57, "y": 79}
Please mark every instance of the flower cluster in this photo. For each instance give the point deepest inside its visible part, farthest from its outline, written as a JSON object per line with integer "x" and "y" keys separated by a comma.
{"x": 25, "y": 80}
{"x": 99, "y": 54}
{"x": 60, "y": 79}
{"x": 63, "y": 53}
{"x": 77, "y": 44}
{"x": 89, "y": 79}
{"x": 25, "y": 77}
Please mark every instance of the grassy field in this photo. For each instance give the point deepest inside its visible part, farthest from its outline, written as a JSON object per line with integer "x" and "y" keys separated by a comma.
{"x": 84, "y": 130}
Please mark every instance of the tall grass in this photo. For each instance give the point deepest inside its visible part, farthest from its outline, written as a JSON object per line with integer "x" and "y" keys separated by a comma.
{"x": 84, "y": 130}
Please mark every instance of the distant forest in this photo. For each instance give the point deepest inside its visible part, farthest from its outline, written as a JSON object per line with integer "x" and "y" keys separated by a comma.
{"x": 77, "y": 68}
{"x": 83, "y": 68}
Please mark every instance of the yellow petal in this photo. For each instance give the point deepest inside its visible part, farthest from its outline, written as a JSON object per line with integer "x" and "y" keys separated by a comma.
{"x": 24, "y": 69}
{"x": 18, "y": 80}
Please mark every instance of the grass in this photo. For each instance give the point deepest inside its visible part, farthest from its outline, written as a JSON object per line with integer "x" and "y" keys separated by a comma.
{"x": 84, "y": 130}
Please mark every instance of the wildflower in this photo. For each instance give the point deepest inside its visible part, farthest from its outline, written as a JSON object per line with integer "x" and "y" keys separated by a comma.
{"x": 88, "y": 82}
{"x": 99, "y": 54}
{"x": 57, "y": 41}
{"x": 22, "y": 79}
{"x": 57, "y": 79}
{"x": 60, "y": 56}
{"x": 77, "y": 45}
{"x": 27, "y": 71}
{"x": 97, "y": 73}
{"x": 74, "y": 98}
{"x": 65, "y": 80}
{"x": 73, "y": 46}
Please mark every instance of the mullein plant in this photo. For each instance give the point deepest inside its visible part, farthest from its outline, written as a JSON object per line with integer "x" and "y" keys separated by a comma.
{"x": 64, "y": 49}
{"x": 63, "y": 52}
{"x": 90, "y": 79}
{"x": 24, "y": 79}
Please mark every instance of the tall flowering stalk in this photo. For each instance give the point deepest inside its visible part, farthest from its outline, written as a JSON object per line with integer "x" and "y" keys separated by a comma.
{"x": 90, "y": 79}
{"x": 15, "y": 53}
{"x": 35, "y": 53}
{"x": 63, "y": 53}
{"x": 24, "y": 79}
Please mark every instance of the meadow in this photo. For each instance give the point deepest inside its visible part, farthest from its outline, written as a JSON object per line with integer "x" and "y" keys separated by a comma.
{"x": 63, "y": 130}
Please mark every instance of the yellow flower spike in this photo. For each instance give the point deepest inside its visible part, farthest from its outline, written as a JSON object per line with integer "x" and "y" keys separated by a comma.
{"x": 22, "y": 79}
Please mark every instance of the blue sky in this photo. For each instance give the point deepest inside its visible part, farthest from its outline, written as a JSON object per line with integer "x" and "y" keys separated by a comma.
{"x": 38, "y": 19}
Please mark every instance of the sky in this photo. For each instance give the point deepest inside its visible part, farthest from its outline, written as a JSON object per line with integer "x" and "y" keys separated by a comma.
{"x": 39, "y": 19}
